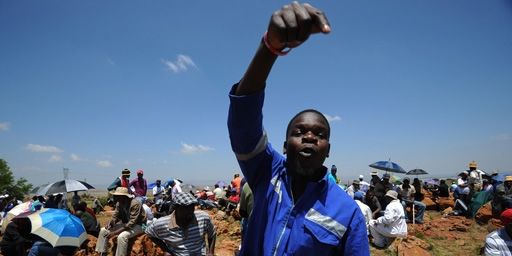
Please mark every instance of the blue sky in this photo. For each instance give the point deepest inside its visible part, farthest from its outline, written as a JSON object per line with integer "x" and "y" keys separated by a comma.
{"x": 98, "y": 86}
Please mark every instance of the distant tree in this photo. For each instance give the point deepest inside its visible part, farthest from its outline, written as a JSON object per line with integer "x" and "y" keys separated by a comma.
{"x": 18, "y": 188}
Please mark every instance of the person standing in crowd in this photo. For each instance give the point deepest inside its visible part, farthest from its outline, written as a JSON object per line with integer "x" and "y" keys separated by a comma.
{"x": 183, "y": 231}
{"x": 385, "y": 228}
{"x": 140, "y": 186}
{"x": 121, "y": 181}
{"x": 126, "y": 222}
{"x": 363, "y": 185}
{"x": 297, "y": 209}
{"x": 235, "y": 183}
{"x": 333, "y": 174}
{"x": 158, "y": 192}
{"x": 499, "y": 242}
{"x": 75, "y": 199}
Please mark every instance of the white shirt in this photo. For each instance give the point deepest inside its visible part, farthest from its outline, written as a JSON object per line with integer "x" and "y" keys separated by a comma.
{"x": 498, "y": 243}
{"x": 393, "y": 222}
{"x": 367, "y": 212}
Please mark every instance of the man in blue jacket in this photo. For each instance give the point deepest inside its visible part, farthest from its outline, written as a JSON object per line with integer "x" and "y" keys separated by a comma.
{"x": 297, "y": 209}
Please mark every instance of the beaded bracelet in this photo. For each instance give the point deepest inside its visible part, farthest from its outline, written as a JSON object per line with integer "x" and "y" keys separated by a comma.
{"x": 274, "y": 50}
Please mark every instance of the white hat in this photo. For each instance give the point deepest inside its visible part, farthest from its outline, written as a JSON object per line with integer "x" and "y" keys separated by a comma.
{"x": 361, "y": 176}
{"x": 122, "y": 191}
{"x": 393, "y": 194}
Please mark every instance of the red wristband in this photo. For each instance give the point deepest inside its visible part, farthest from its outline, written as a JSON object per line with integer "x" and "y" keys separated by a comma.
{"x": 274, "y": 50}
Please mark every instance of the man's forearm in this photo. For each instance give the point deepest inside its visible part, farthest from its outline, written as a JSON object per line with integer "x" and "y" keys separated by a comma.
{"x": 257, "y": 73}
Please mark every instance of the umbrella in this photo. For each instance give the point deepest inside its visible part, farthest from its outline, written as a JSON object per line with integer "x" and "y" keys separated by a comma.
{"x": 388, "y": 166}
{"x": 64, "y": 186}
{"x": 416, "y": 172}
{"x": 58, "y": 227}
{"x": 17, "y": 210}
{"x": 34, "y": 190}
{"x": 220, "y": 183}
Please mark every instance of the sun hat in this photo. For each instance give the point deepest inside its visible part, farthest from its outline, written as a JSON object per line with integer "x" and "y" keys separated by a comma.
{"x": 140, "y": 172}
{"x": 506, "y": 217}
{"x": 361, "y": 176}
{"x": 406, "y": 179}
{"x": 391, "y": 193}
{"x": 374, "y": 173}
{"x": 122, "y": 191}
{"x": 184, "y": 199}
{"x": 356, "y": 182}
{"x": 472, "y": 164}
{"x": 386, "y": 176}
{"x": 508, "y": 178}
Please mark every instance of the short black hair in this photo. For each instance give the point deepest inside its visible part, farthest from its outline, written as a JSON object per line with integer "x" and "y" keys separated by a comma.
{"x": 305, "y": 111}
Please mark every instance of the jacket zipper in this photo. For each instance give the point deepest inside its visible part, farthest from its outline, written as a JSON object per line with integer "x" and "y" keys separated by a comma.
{"x": 286, "y": 223}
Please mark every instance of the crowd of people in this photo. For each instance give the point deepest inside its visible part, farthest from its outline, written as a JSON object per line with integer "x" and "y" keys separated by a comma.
{"x": 290, "y": 203}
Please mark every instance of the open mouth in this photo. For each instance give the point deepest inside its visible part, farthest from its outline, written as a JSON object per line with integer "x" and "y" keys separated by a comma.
{"x": 306, "y": 152}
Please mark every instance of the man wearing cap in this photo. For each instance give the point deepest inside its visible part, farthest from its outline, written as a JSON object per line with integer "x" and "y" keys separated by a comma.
{"x": 122, "y": 181}
{"x": 406, "y": 194}
{"x": 353, "y": 188}
{"x": 183, "y": 231}
{"x": 475, "y": 176}
{"x": 385, "y": 228}
{"x": 140, "y": 186}
{"x": 363, "y": 185}
{"x": 499, "y": 242}
{"x": 333, "y": 174}
{"x": 126, "y": 222}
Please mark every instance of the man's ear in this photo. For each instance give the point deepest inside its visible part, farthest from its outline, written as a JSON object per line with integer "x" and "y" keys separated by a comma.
{"x": 328, "y": 150}
{"x": 285, "y": 145}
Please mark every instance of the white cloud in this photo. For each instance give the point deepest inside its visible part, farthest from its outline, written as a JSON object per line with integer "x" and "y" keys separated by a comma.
{"x": 181, "y": 64}
{"x": 43, "y": 148}
{"x": 75, "y": 157}
{"x": 502, "y": 137}
{"x": 4, "y": 126}
{"x": 104, "y": 163}
{"x": 332, "y": 118}
{"x": 55, "y": 158}
{"x": 192, "y": 149}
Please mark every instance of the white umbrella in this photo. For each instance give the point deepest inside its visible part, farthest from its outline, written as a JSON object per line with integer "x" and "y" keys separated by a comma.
{"x": 17, "y": 210}
{"x": 64, "y": 186}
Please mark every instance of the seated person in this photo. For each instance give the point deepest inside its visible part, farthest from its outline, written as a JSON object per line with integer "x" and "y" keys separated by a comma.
{"x": 406, "y": 194}
{"x": 392, "y": 224}
{"x": 497, "y": 242}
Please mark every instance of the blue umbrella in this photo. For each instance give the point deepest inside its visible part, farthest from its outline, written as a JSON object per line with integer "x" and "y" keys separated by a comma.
{"x": 58, "y": 227}
{"x": 151, "y": 185}
{"x": 388, "y": 166}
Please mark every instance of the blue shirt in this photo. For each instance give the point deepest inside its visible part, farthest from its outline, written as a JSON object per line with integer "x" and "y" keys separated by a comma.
{"x": 324, "y": 221}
